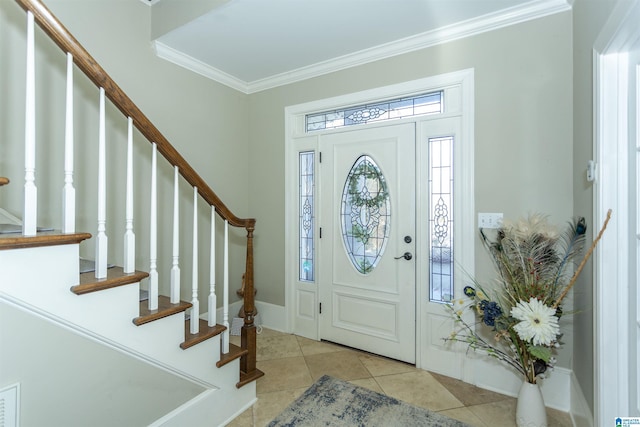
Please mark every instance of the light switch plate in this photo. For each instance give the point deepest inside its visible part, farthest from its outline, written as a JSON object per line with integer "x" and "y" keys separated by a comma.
{"x": 489, "y": 220}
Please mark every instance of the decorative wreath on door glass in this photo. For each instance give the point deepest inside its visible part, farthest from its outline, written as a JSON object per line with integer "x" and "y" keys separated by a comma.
{"x": 365, "y": 214}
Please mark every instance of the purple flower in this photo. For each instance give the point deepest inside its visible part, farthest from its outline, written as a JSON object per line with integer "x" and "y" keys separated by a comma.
{"x": 491, "y": 311}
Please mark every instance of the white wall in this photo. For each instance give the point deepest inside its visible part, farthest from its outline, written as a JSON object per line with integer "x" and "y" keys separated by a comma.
{"x": 204, "y": 120}
{"x": 68, "y": 380}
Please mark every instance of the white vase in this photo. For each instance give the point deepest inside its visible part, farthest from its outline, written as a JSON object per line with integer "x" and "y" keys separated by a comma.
{"x": 530, "y": 411}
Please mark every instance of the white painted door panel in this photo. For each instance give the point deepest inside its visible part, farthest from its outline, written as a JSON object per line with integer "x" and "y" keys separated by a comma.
{"x": 372, "y": 311}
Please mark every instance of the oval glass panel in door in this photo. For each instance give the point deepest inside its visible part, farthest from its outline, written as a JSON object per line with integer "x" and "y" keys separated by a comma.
{"x": 365, "y": 213}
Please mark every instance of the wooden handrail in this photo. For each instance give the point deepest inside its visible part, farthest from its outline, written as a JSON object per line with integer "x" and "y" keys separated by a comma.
{"x": 85, "y": 62}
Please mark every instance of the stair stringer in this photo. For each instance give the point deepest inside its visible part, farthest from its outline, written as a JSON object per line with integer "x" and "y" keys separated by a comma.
{"x": 40, "y": 278}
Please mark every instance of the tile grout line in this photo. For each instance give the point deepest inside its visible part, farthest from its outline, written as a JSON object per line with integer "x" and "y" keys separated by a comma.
{"x": 370, "y": 367}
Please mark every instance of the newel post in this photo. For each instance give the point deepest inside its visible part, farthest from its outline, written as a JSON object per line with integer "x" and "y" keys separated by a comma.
{"x": 248, "y": 333}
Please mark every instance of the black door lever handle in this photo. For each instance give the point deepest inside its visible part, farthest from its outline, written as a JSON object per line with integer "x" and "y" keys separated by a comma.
{"x": 406, "y": 255}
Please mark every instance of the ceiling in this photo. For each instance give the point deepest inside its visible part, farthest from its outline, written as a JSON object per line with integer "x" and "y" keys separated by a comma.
{"x": 252, "y": 45}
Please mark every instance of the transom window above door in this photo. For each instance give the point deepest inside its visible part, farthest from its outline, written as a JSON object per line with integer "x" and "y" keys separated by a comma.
{"x": 417, "y": 105}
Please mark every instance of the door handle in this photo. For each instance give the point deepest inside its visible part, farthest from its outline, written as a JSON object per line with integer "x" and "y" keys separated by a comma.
{"x": 406, "y": 255}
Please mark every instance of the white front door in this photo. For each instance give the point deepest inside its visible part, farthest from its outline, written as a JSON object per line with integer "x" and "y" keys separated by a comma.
{"x": 367, "y": 273}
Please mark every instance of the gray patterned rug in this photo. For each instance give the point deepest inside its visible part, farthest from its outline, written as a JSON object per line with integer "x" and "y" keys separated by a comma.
{"x": 336, "y": 403}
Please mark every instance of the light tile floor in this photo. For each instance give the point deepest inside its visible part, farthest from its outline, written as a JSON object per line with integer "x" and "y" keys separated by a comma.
{"x": 292, "y": 363}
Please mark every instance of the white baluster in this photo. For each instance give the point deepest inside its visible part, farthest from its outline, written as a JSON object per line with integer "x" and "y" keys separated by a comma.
{"x": 30, "y": 208}
{"x": 225, "y": 282}
{"x": 212, "y": 272}
{"x": 175, "y": 268}
{"x": 129, "y": 236}
{"x": 195, "y": 309}
{"x": 153, "y": 233}
{"x": 101, "y": 238}
{"x": 68, "y": 192}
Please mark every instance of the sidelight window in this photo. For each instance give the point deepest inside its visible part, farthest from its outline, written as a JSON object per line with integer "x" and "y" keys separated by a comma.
{"x": 441, "y": 219}
{"x": 306, "y": 202}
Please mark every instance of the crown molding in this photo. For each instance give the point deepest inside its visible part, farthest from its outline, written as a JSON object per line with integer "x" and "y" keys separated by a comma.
{"x": 190, "y": 63}
{"x": 149, "y": 2}
{"x": 504, "y": 18}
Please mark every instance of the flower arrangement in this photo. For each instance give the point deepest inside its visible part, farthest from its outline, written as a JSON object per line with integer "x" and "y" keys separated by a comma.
{"x": 536, "y": 268}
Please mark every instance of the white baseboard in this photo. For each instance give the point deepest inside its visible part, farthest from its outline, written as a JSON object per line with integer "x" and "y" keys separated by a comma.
{"x": 580, "y": 411}
{"x": 269, "y": 315}
{"x": 556, "y": 388}
{"x": 273, "y": 316}
{"x": 210, "y": 405}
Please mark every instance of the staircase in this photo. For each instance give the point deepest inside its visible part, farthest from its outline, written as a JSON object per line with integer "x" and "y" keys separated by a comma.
{"x": 40, "y": 270}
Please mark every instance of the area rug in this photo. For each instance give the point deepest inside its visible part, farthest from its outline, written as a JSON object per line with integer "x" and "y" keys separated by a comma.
{"x": 332, "y": 402}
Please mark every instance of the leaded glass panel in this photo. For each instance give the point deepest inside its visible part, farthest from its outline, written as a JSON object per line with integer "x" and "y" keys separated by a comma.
{"x": 365, "y": 213}
{"x": 441, "y": 219}
{"x": 306, "y": 217}
{"x": 430, "y": 103}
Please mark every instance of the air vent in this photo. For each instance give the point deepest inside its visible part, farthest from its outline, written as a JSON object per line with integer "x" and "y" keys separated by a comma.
{"x": 9, "y": 406}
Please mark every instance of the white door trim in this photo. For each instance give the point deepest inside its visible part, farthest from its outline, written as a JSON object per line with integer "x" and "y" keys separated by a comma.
{"x": 611, "y": 266}
{"x": 461, "y": 81}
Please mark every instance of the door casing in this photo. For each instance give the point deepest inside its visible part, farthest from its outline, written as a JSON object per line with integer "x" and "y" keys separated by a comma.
{"x": 301, "y": 298}
{"x": 615, "y": 302}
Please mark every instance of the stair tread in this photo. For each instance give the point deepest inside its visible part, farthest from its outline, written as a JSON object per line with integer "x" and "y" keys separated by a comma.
{"x": 235, "y": 352}
{"x": 205, "y": 332}
{"x": 42, "y": 238}
{"x": 165, "y": 308}
{"x": 246, "y": 378}
{"x": 115, "y": 277}
{"x": 3, "y": 181}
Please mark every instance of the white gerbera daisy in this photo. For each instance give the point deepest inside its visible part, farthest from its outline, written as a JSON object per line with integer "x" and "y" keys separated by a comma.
{"x": 538, "y": 322}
